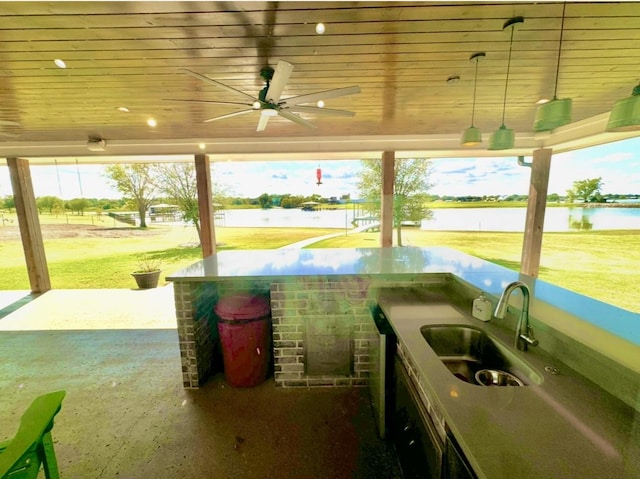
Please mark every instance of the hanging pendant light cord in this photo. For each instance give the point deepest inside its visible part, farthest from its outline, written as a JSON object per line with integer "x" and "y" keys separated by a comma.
{"x": 555, "y": 89}
{"x": 506, "y": 83}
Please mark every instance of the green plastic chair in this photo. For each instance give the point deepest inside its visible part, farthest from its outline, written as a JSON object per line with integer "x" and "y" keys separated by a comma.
{"x": 32, "y": 446}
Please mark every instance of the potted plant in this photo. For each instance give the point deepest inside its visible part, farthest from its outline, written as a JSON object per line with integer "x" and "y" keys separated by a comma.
{"x": 148, "y": 272}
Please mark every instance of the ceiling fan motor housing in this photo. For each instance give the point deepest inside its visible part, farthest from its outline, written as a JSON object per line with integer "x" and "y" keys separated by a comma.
{"x": 267, "y": 74}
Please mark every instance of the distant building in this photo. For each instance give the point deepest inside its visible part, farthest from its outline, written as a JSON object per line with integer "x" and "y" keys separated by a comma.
{"x": 164, "y": 213}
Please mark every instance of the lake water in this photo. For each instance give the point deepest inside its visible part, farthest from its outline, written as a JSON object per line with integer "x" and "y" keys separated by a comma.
{"x": 557, "y": 219}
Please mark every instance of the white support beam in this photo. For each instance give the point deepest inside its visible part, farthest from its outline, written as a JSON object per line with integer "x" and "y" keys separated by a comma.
{"x": 205, "y": 205}
{"x": 29, "y": 224}
{"x": 386, "y": 206}
{"x": 534, "y": 225}
{"x": 581, "y": 134}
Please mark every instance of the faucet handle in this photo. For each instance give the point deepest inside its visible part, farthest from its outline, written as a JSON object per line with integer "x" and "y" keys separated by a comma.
{"x": 529, "y": 338}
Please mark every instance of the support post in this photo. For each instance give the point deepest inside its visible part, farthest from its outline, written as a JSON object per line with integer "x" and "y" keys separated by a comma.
{"x": 205, "y": 205}
{"x": 536, "y": 206}
{"x": 386, "y": 206}
{"x": 29, "y": 224}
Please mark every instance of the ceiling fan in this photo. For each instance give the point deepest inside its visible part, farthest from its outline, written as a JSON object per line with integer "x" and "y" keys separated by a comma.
{"x": 269, "y": 101}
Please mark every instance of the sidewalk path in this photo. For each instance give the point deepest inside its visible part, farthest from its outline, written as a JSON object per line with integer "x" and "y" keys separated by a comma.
{"x": 309, "y": 241}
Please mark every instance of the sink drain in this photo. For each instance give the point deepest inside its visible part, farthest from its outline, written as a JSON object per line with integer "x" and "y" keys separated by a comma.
{"x": 495, "y": 377}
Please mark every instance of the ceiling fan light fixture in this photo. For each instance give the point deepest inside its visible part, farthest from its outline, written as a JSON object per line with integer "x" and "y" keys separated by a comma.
{"x": 625, "y": 115}
{"x": 557, "y": 112}
{"x": 255, "y": 105}
{"x": 502, "y": 139}
{"x": 269, "y": 112}
{"x": 552, "y": 114}
{"x": 472, "y": 136}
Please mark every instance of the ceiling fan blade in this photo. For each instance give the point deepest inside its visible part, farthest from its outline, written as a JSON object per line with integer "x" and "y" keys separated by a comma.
{"x": 323, "y": 95}
{"x": 321, "y": 111}
{"x": 262, "y": 122}
{"x": 216, "y": 82}
{"x": 211, "y": 102}
{"x": 279, "y": 80}
{"x": 229, "y": 115}
{"x": 295, "y": 118}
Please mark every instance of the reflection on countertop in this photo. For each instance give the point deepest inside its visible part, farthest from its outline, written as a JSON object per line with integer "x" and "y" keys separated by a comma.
{"x": 379, "y": 262}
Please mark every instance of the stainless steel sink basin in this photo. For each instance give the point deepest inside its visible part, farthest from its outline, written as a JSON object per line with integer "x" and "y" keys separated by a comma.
{"x": 466, "y": 350}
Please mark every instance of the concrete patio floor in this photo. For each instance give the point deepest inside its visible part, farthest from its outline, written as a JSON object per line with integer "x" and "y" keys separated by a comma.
{"x": 127, "y": 415}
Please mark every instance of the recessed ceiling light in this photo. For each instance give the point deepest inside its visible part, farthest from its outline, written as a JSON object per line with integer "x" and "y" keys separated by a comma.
{"x": 60, "y": 63}
{"x": 202, "y": 146}
{"x": 320, "y": 104}
{"x": 151, "y": 122}
{"x": 320, "y": 28}
{"x": 123, "y": 109}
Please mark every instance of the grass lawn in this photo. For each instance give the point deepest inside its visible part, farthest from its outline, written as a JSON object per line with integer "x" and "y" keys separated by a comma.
{"x": 104, "y": 257}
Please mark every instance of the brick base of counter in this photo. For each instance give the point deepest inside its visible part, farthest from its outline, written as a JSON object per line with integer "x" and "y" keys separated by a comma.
{"x": 322, "y": 326}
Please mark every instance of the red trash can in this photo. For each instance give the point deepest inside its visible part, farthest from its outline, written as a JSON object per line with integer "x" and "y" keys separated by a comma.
{"x": 245, "y": 336}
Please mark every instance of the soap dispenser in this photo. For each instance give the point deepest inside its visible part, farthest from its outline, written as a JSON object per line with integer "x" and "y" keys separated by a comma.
{"x": 482, "y": 308}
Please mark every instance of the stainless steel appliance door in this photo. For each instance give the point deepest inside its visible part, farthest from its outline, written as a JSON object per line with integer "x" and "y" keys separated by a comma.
{"x": 381, "y": 352}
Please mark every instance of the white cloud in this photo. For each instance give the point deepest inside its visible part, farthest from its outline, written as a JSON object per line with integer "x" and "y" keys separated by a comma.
{"x": 479, "y": 176}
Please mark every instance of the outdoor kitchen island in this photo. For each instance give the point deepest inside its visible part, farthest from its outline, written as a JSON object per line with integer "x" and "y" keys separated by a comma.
{"x": 320, "y": 298}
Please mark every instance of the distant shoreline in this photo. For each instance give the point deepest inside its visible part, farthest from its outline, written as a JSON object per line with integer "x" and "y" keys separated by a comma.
{"x": 523, "y": 204}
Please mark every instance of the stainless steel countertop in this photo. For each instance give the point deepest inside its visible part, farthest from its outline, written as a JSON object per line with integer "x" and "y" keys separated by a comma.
{"x": 565, "y": 427}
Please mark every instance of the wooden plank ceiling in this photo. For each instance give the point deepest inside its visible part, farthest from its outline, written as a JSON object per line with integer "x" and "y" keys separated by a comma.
{"x": 129, "y": 54}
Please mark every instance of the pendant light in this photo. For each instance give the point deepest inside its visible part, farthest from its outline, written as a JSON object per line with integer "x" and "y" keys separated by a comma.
{"x": 472, "y": 136}
{"x": 625, "y": 115}
{"x": 504, "y": 138}
{"x": 556, "y": 112}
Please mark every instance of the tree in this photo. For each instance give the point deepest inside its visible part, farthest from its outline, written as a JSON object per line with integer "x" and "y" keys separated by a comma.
{"x": 409, "y": 189}
{"x": 585, "y": 189}
{"x": 177, "y": 181}
{"x": 77, "y": 205}
{"x": 9, "y": 202}
{"x": 135, "y": 181}
{"x": 49, "y": 203}
{"x": 265, "y": 200}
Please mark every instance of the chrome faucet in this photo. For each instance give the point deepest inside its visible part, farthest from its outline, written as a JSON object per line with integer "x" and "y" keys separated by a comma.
{"x": 524, "y": 334}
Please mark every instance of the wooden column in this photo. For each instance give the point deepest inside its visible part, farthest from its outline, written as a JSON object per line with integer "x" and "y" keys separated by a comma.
{"x": 205, "y": 205}
{"x": 533, "y": 229}
{"x": 29, "y": 225}
{"x": 386, "y": 206}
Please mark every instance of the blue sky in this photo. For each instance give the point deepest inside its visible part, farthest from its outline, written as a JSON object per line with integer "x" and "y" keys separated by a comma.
{"x": 617, "y": 163}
